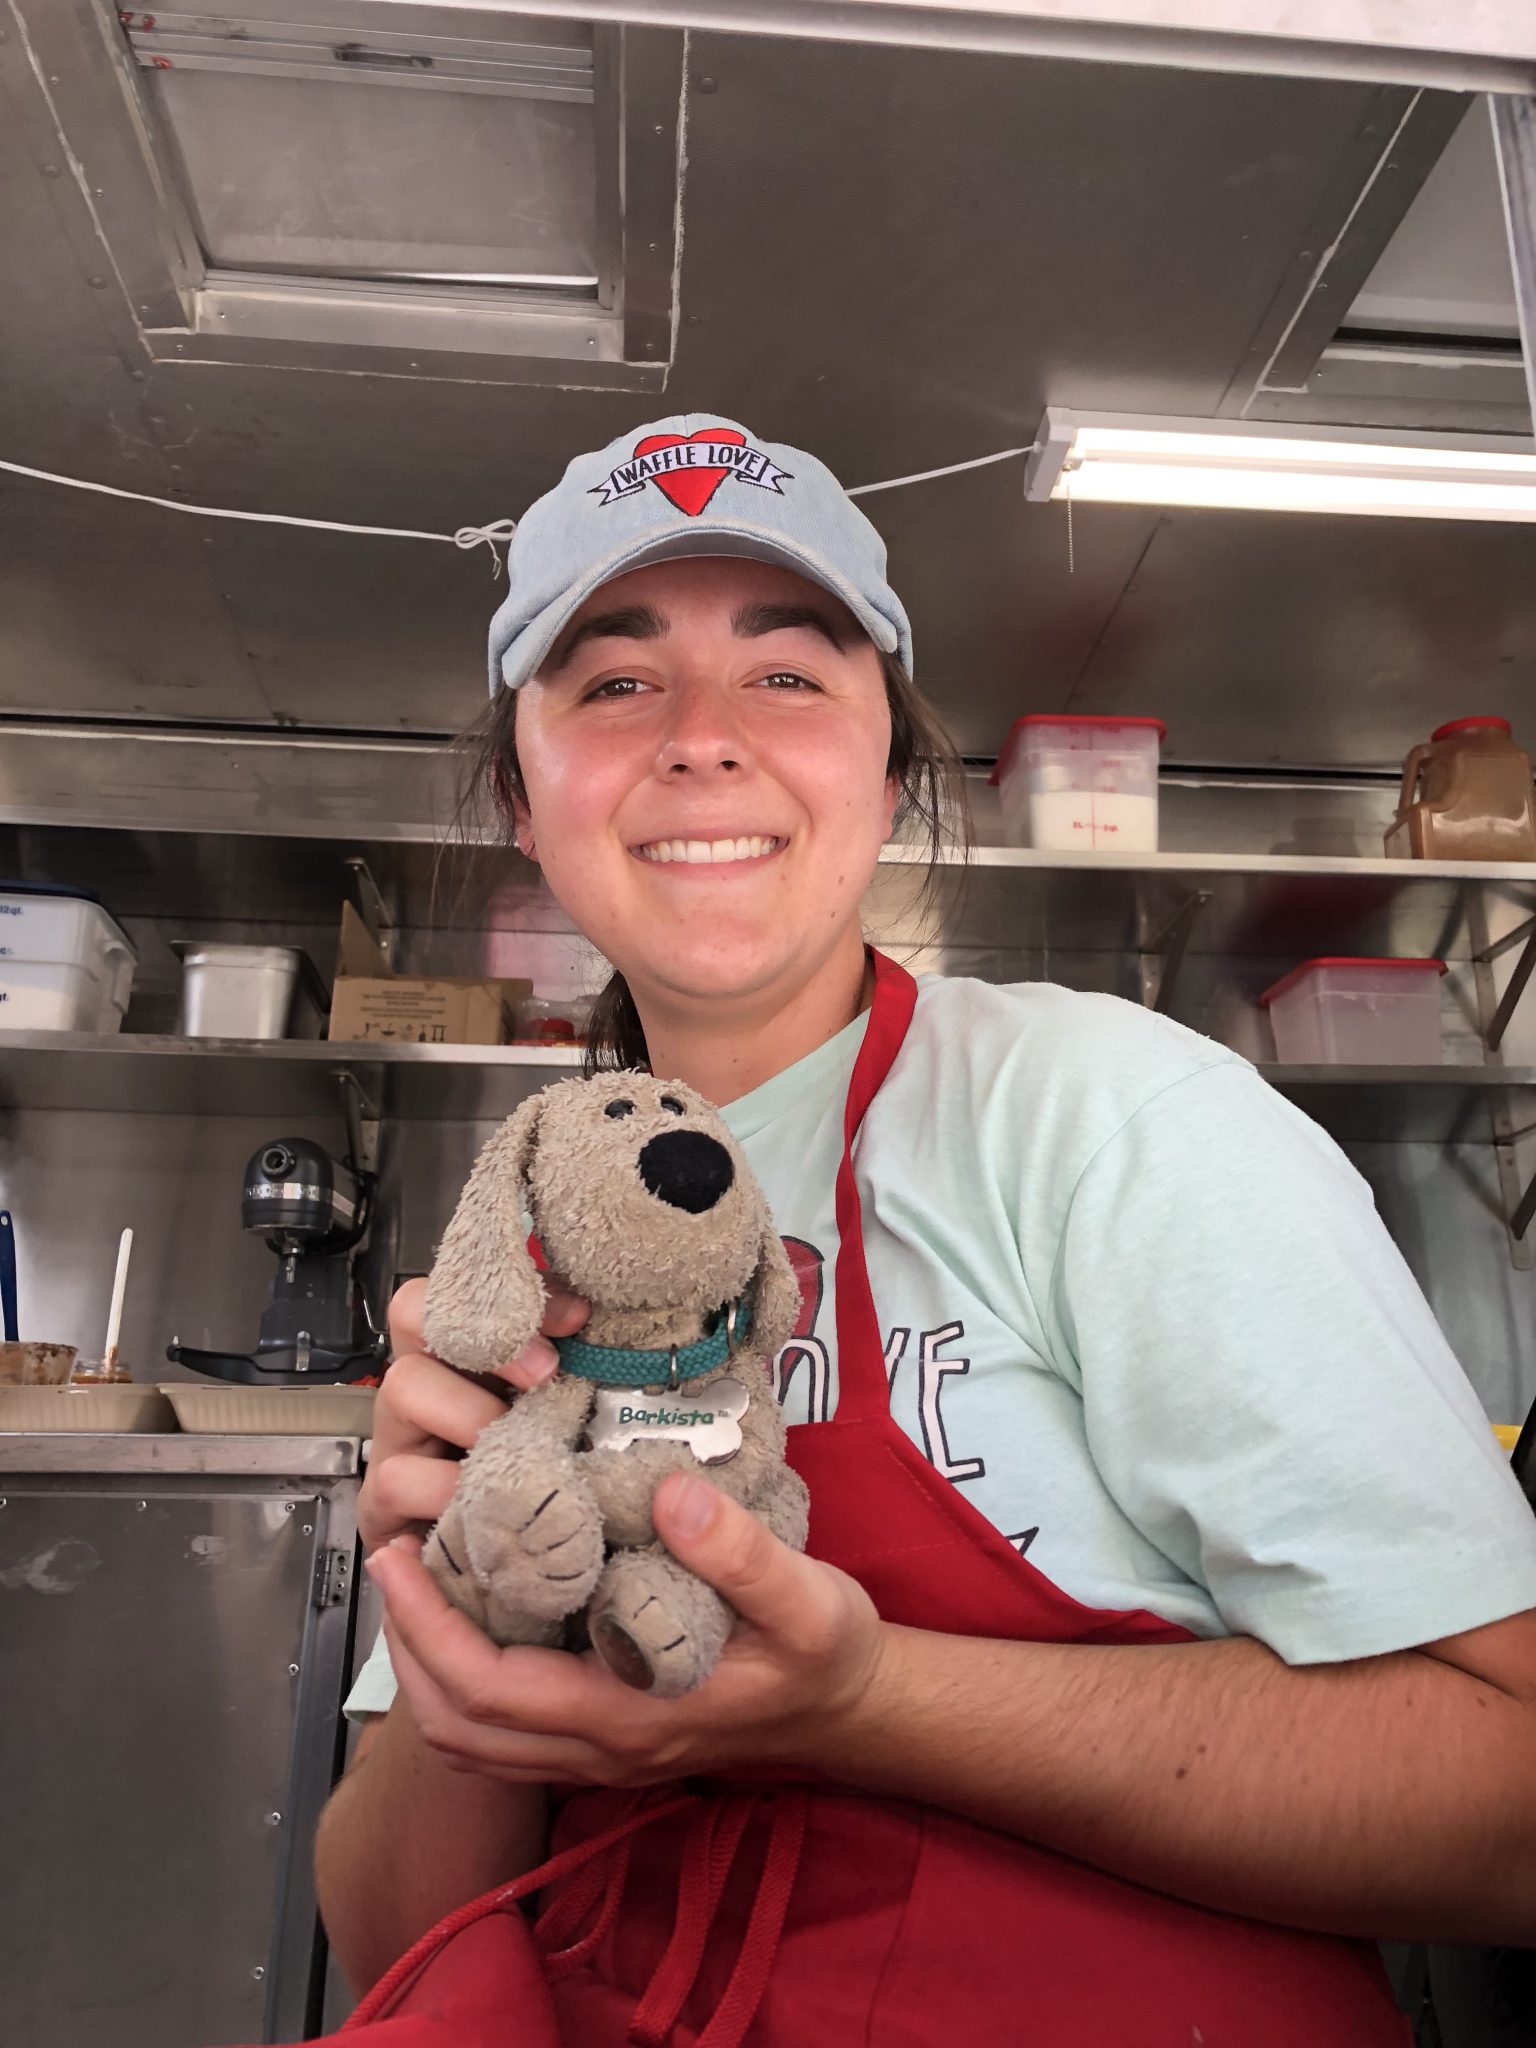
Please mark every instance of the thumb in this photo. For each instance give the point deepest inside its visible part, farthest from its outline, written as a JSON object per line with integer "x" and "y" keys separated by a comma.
{"x": 766, "y": 1582}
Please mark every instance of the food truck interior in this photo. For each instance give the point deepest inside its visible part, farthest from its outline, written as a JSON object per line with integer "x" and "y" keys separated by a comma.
{"x": 288, "y": 307}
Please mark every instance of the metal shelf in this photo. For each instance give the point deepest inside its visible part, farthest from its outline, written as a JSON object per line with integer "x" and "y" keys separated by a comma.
{"x": 1268, "y": 906}
{"x": 1411, "y": 1105}
{"x": 268, "y": 1078}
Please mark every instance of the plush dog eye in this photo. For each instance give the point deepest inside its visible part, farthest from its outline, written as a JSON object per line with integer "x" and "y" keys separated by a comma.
{"x": 619, "y": 1108}
{"x": 671, "y": 1102}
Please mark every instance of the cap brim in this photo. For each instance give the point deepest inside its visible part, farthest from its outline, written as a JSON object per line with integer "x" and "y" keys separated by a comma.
{"x": 513, "y": 665}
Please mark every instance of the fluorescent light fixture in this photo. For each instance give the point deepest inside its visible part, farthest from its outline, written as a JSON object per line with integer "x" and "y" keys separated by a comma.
{"x": 1104, "y": 458}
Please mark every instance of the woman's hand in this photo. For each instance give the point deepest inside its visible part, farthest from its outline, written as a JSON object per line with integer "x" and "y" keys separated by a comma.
{"x": 427, "y": 1415}
{"x": 799, "y": 1665}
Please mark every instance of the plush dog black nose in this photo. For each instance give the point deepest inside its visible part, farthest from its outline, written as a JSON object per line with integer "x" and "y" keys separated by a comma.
{"x": 686, "y": 1169}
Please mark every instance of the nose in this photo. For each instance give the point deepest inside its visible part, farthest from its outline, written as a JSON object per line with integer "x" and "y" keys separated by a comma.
{"x": 702, "y": 735}
{"x": 686, "y": 1169}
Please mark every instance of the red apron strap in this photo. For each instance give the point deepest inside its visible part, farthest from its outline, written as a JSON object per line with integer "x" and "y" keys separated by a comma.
{"x": 861, "y": 1385}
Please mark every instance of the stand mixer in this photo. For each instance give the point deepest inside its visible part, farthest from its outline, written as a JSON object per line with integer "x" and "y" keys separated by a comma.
{"x": 313, "y": 1211}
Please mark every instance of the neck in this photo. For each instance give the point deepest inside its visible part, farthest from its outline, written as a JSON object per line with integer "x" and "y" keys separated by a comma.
{"x": 727, "y": 1047}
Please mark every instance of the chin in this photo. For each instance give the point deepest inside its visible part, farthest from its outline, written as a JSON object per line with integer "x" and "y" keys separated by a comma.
{"x": 718, "y": 964}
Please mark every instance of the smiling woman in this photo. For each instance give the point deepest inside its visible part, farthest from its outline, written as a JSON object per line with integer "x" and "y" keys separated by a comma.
{"x": 675, "y": 645}
{"x": 1115, "y": 1687}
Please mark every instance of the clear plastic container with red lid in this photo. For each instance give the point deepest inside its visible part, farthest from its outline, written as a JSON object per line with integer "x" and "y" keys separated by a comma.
{"x": 1357, "y": 1012}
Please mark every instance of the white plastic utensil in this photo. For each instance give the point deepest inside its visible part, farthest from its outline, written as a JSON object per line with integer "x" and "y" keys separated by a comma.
{"x": 119, "y": 1289}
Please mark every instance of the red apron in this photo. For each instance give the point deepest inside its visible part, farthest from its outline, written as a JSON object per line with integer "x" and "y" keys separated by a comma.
{"x": 772, "y": 1914}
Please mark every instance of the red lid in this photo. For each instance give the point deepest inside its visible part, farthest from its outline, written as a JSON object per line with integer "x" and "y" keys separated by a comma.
{"x": 1502, "y": 725}
{"x": 1338, "y": 960}
{"x": 1067, "y": 718}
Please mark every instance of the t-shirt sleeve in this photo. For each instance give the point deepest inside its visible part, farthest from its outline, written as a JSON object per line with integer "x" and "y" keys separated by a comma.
{"x": 1265, "y": 1390}
{"x": 374, "y": 1688}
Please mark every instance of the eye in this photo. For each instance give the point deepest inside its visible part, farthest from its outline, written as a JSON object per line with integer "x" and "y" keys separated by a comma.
{"x": 671, "y": 1102}
{"x": 614, "y": 688}
{"x": 787, "y": 679}
{"x": 619, "y": 1108}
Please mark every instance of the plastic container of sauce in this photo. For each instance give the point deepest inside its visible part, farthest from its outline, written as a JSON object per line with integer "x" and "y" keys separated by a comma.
{"x": 1467, "y": 795}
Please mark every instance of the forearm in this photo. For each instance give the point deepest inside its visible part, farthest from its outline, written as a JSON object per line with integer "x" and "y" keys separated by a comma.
{"x": 405, "y": 1840}
{"x": 1391, "y": 1797}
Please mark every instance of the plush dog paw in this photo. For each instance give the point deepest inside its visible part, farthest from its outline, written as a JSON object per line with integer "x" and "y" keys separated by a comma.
{"x": 537, "y": 1548}
{"x": 655, "y": 1625}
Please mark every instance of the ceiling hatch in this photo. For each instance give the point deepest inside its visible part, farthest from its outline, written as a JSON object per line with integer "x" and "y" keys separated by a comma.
{"x": 430, "y": 189}
{"x": 1401, "y": 312}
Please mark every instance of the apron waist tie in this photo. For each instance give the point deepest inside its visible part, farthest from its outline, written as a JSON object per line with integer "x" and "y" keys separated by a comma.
{"x": 599, "y": 1868}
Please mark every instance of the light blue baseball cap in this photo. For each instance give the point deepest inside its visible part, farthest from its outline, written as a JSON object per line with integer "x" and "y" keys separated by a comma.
{"x": 693, "y": 485}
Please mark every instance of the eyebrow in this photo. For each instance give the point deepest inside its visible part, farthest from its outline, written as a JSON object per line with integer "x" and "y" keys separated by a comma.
{"x": 644, "y": 622}
{"x": 630, "y": 622}
{"x": 753, "y": 620}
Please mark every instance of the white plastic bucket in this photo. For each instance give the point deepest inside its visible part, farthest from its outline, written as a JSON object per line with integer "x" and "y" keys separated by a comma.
{"x": 1081, "y": 784}
{"x": 65, "y": 965}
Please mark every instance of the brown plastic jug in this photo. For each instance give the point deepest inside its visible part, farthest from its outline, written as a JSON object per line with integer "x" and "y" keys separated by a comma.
{"x": 1467, "y": 795}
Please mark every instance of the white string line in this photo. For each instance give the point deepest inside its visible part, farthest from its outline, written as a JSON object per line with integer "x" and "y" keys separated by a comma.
{"x": 498, "y": 530}
{"x": 925, "y": 476}
{"x": 465, "y": 537}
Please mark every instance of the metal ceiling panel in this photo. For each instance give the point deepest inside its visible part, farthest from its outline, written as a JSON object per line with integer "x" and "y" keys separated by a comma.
{"x": 895, "y": 257}
{"x": 1287, "y": 638}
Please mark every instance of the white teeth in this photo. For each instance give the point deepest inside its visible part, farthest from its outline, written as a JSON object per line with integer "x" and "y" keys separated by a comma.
{"x": 701, "y": 851}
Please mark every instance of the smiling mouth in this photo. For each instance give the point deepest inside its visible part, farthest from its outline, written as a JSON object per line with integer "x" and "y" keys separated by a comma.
{"x": 709, "y": 852}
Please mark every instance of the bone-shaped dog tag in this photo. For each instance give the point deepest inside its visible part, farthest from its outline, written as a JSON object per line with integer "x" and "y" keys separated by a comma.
{"x": 707, "y": 1422}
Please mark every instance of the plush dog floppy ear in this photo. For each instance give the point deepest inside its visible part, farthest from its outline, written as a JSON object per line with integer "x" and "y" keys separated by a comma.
{"x": 485, "y": 1299}
{"x": 775, "y": 1296}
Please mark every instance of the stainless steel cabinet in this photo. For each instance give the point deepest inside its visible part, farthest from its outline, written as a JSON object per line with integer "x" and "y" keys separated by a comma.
{"x": 175, "y": 1623}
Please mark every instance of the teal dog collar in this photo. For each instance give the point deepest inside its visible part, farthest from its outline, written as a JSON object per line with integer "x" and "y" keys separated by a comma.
{"x": 620, "y": 1365}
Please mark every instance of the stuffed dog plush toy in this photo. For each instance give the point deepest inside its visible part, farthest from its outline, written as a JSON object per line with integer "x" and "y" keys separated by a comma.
{"x": 645, "y": 1207}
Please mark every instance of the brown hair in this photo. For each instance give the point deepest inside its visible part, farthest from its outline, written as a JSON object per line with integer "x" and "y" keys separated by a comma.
{"x": 922, "y": 758}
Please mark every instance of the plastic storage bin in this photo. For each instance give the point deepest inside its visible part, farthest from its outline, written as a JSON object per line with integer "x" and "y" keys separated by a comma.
{"x": 1363, "y": 1013}
{"x": 65, "y": 965}
{"x": 1081, "y": 784}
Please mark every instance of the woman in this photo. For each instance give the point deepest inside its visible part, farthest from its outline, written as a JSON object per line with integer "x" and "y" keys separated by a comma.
{"x": 1168, "y": 1618}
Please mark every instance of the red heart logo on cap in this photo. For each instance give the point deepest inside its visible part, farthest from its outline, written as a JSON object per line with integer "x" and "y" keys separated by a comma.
{"x": 690, "y": 490}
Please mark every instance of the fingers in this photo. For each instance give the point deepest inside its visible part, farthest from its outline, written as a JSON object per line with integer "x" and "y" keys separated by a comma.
{"x": 405, "y": 1313}
{"x": 526, "y": 1691}
{"x": 564, "y": 1312}
{"x": 411, "y": 1489}
{"x": 768, "y": 1584}
{"x": 423, "y": 1403}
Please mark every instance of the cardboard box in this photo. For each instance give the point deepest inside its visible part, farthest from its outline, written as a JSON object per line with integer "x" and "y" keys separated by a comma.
{"x": 370, "y": 1002}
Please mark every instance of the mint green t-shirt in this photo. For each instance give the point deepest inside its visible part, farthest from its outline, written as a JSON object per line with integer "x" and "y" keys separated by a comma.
{"x": 1142, "y": 1313}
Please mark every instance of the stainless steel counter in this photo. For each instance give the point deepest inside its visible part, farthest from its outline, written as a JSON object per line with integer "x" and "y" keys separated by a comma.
{"x": 176, "y": 1620}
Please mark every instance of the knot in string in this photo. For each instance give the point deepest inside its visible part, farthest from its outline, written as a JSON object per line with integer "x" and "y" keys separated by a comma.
{"x": 499, "y": 530}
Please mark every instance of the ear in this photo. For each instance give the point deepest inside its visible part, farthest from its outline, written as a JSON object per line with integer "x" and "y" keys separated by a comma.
{"x": 775, "y": 1297}
{"x": 485, "y": 1299}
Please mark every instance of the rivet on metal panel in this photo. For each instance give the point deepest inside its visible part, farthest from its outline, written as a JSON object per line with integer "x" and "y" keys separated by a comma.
{"x": 309, "y": 1529}
{"x": 274, "y": 1820}
{"x": 53, "y": 78}
{"x": 3, "y": 1502}
{"x": 658, "y": 129}
{"x": 258, "y": 1973}
{"x": 293, "y": 1670}
{"x": 97, "y": 284}
{"x": 708, "y": 85}
{"x": 140, "y": 1506}
{"x": 287, "y": 1507}
{"x": 50, "y": 170}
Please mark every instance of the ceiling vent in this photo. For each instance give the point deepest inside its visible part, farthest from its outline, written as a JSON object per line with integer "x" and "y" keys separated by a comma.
{"x": 424, "y": 189}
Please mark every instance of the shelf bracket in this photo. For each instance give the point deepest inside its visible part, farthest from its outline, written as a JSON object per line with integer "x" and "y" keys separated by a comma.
{"x": 1169, "y": 947}
{"x": 370, "y": 902}
{"x": 1517, "y": 1194}
{"x": 362, "y": 1117}
{"x": 1522, "y": 934}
